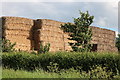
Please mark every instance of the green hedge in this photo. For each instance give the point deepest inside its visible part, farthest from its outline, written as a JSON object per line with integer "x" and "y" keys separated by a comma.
{"x": 65, "y": 60}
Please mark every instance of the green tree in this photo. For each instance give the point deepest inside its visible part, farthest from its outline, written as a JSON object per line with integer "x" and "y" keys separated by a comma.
{"x": 118, "y": 42}
{"x": 7, "y": 46}
{"x": 80, "y": 32}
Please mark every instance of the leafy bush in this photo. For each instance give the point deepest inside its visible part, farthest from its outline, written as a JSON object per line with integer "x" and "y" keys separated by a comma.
{"x": 100, "y": 72}
{"x": 44, "y": 49}
{"x": 118, "y": 42}
{"x": 65, "y": 60}
{"x": 7, "y": 46}
{"x": 53, "y": 67}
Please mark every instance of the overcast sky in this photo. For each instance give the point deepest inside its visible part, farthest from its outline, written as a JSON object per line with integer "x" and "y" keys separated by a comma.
{"x": 105, "y": 13}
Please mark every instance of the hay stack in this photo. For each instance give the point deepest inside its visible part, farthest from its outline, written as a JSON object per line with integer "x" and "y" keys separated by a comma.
{"x": 28, "y": 34}
{"x": 104, "y": 38}
{"x": 50, "y": 32}
{"x": 18, "y": 30}
{"x": 66, "y": 42}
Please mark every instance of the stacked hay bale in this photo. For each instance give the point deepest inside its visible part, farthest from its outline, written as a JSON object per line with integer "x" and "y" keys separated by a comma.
{"x": 104, "y": 38}
{"x": 18, "y": 30}
{"x": 49, "y": 32}
{"x": 66, "y": 42}
{"x": 29, "y": 34}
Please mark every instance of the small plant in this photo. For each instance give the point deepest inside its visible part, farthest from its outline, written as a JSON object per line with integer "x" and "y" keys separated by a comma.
{"x": 7, "y": 46}
{"x": 100, "y": 73}
{"x": 44, "y": 49}
{"x": 53, "y": 67}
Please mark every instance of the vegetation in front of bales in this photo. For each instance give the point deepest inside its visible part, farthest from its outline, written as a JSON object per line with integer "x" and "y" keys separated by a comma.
{"x": 99, "y": 73}
{"x": 55, "y": 63}
{"x": 7, "y": 46}
{"x": 80, "y": 32}
{"x": 118, "y": 42}
{"x": 44, "y": 49}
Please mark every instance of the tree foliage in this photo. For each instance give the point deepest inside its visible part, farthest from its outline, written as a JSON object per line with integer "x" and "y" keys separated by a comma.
{"x": 118, "y": 42}
{"x": 80, "y": 32}
{"x": 7, "y": 46}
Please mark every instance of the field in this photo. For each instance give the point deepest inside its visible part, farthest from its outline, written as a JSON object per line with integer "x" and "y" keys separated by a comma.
{"x": 10, "y": 73}
{"x": 61, "y": 65}
{"x": 39, "y": 74}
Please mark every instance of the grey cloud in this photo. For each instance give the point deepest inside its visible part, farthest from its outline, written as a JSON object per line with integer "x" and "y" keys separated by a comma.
{"x": 119, "y": 17}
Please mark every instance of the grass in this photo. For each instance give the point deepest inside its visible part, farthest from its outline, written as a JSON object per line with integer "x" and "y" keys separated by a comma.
{"x": 26, "y": 74}
{"x": 10, "y": 73}
{"x": 70, "y": 73}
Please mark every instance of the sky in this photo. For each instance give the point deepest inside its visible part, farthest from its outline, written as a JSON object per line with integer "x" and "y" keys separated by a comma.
{"x": 105, "y": 13}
